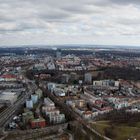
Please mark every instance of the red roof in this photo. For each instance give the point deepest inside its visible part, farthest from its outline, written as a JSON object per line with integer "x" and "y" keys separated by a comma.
{"x": 106, "y": 108}
{"x": 8, "y": 76}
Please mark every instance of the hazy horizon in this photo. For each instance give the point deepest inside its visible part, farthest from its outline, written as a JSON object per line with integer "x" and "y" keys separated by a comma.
{"x": 72, "y": 46}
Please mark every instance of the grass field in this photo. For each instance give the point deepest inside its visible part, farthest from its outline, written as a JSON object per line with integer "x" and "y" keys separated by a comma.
{"x": 118, "y": 131}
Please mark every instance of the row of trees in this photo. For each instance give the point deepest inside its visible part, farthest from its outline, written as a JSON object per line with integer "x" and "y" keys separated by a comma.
{"x": 120, "y": 73}
{"x": 120, "y": 116}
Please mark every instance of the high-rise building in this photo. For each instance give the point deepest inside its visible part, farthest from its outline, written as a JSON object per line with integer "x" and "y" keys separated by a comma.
{"x": 29, "y": 104}
{"x": 88, "y": 77}
{"x": 58, "y": 54}
{"x": 34, "y": 98}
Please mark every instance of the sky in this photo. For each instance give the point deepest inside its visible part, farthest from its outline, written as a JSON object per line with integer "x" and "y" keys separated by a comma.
{"x": 56, "y": 22}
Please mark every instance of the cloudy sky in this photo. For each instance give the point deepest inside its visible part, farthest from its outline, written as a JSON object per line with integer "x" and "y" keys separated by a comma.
{"x": 55, "y": 22}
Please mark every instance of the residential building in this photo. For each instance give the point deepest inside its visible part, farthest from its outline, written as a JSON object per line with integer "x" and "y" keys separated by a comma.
{"x": 38, "y": 123}
{"x": 88, "y": 77}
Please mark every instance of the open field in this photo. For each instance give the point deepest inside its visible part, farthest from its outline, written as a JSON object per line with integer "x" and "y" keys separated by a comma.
{"x": 118, "y": 131}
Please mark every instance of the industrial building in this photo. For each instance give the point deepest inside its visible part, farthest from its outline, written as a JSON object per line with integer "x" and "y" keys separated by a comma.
{"x": 8, "y": 97}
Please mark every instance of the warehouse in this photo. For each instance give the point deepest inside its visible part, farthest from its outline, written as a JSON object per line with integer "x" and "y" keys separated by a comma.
{"x": 8, "y": 97}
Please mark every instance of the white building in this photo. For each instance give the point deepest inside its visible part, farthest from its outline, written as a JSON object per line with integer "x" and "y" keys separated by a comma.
{"x": 47, "y": 108}
{"x": 51, "y": 66}
{"x": 55, "y": 119}
{"x": 8, "y": 97}
{"x": 53, "y": 112}
{"x": 94, "y": 114}
{"x": 29, "y": 104}
{"x": 87, "y": 115}
{"x": 40, "y": 66}
{"x": 51, "y": 86}
{"x": 59, "y": 92}
{"x": 48, "y": 105}
{"x": 119, "y": 105}
{"x": 34, "y": 98}
{"x": 117, "y": 83}
{"x": 70, "y": 103}
{"x": 104, "y": 83}
{"x": 48, "y": 102}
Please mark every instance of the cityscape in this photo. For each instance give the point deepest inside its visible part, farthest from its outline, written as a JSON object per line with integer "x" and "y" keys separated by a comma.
{"x": 69, "y": 69}
{"x": 69, "y": 93}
